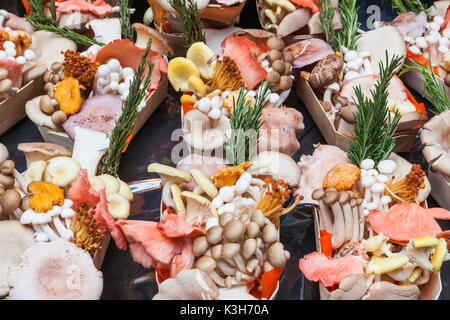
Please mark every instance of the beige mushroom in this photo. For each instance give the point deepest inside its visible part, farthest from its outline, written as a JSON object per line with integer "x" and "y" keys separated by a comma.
{"x": 159, "y": 44}
{"x": 435, "y": 136}
{"x": 324, "y": 211}
{"x": 36, "y": 151}
{"x": 331, "y": 199}
{"x": 234, "y": 230}
{"x": 48, "y": 47}
{"x": 15, "y": 238}
{"x": 4, "y": 154}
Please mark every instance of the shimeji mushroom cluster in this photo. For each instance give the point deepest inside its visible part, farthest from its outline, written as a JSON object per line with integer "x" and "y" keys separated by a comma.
{"x": 240, "y": 243}
{"x": 239, "y": 250}
{"x": 374, "y": 183}
{"x": 113, "y": 78}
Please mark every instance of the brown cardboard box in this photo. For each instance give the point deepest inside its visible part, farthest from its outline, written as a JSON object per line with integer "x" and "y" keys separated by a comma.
{"x": 158, "y": 96}
{"x": 403, "y": 139}
{"x": 440, "y": 188}
{"x": 13, "y": 109}
{"x": 429, "y": 291}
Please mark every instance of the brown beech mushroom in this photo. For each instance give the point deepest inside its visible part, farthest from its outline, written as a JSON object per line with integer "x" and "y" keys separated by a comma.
{"x": 234, "y": 230}
{"x": 348, "y": 112}
{"x": 327, "y": 71}
{"x": 344, "y": 202}
{"x": 252, "y": 229}
{"x": 269, "y": 234}
{"x": 276, "y": 255}
{"x": 214, "y": 235}
{"x": 199, "y": 246}
{"x": 4, "y": 154}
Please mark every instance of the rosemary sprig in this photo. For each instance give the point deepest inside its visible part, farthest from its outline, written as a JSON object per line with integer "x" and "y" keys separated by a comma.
{"x": 38, "y": 20}
{"x": 245, "y": 124}
{"x": 347, "y": 35}
{"x": 439, "y": 97}
{"x": 374, "y": 125}
{"x": 125, "y": 123}
{"x": 125, "y": 20}
{"x": 326, "y": 14}
{"x": 192, "y": 24}
{"x": 416, "y": 6}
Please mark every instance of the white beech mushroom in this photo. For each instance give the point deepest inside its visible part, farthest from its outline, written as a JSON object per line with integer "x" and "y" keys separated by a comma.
{"x": 331, "y": 199}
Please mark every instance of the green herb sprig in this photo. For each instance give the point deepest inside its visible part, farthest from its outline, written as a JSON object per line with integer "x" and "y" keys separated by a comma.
{"x": 245, "y": 124}
{"x": 38, "y": 20}
{"x": 192, "y": 24}
{"x": 374, "y": 126}
{"x": 439, "y": 96}
{"x": 125, "y": 20}
{"x": 404, "y": 6}
{"x": 347, "y": 35}
{"x": 125, "y": 123}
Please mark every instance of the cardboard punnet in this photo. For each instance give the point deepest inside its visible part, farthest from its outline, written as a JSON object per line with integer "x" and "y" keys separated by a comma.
{"x": 415, "y": 80}
{"x": 155, "y": 99}
{"x": 429, "y": 291}
{"x": 225, "y": 15}
{"x": 403, "y": 139}
{"x": 13, "y": 109}
{"x": 440, "y": 188}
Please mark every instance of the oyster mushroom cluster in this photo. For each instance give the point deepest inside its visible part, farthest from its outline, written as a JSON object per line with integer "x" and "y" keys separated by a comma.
{"x": 435, "y": 138}
{"x": 239, "y": 250}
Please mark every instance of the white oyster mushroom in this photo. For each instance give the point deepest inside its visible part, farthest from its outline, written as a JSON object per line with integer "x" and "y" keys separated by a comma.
{"x": 277, "y": 165}
{"x": 89, "y": 147}
{"x": 106, "y": 30}
{"x": 56, "y": 270}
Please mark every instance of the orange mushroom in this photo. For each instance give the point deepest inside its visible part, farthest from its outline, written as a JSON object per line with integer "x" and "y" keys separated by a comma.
{"x": 45, "y": 195}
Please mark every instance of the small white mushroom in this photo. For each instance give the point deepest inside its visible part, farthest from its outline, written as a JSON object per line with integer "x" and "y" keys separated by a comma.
{"x": 367, "y": 164}
{"x": 367, "y": 182}
{"x": 387, "y": 166}
{"x": 385, "y": 200}
{"x": 377, "y": 189}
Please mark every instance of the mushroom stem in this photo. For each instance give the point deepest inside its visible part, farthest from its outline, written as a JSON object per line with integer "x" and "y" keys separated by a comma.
{"x": 166, "y": 194}
{"x": 361, "y": 221}
{"x": 331, "y": 199}
{"x": 325, "y": 222}
{"x": 356, "y": 226}
{"x": 343, "y": 200}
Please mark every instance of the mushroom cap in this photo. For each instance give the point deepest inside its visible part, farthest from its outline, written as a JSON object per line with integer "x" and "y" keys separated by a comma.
{"x": 276, "y": 255}
{"x": 15, "y": 238}
{"x": 169, "y": 173}
{"x": 317, "y": 194}
{"x": 159, "y": 44}
{"x": 10, "y": 200}
{"x": 35, "y": 151}
{"x": 342, "y": 177}
{"x": 206, "y": 264}
{"x": 230, "y": 250}
{"x": 234, "y": 230}
{"x": 214, "y": 235}
{"x": 327, "y": 71}
{"x": 55, "y": 270}
{"x": 279, "y": 166}
{"x": 330, "y": 197}
{"x": 344, "y": 197}
{"x": 199, "y": 246}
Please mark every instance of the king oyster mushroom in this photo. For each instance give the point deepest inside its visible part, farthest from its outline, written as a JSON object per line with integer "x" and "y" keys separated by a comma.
{"x": 435, "y": 137}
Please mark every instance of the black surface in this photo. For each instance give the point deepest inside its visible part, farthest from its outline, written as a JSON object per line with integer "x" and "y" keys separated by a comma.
{"x": 124, "y": 279}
